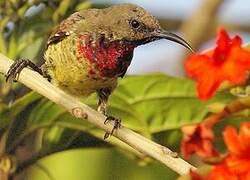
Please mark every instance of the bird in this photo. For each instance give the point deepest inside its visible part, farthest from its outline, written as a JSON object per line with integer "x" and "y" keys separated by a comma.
{"x": 88, "y": 51}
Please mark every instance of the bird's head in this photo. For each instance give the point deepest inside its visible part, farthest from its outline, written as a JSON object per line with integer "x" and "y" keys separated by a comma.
{"x": 134, "y": 24}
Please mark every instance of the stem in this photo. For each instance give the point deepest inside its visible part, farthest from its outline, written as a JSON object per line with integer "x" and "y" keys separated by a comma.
{"x": 23, "y": 165}
{"x": 202, "y": 22}
{"x": 36, "y": 82}
{"x": 3, "y": 22}
{"x": 233, "y": 107}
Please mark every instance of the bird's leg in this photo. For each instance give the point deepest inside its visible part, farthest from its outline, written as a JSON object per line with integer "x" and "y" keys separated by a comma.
{"x": 18, "y": 66}
{"x": 103, "y": 95}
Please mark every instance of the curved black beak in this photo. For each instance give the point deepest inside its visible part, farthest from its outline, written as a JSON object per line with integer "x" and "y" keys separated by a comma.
{"x": 161, "y": 34}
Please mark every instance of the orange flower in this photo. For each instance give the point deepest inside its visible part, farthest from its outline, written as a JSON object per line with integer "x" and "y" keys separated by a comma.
{"x": 199, "y": 138}
{"x": 195, "y": 176}
{"x": 221, "y": 172}
{"x": 237, "y": 164}
{"x": 227, "y": 62}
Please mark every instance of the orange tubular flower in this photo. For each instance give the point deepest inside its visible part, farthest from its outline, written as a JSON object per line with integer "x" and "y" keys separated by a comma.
{"x": 199, "y": 138}
{"x": 227, "y": 62}
{"x": 237, "y": 164}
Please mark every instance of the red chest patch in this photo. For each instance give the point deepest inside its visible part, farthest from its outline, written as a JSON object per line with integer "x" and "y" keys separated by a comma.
{"x": 110, "y": 59}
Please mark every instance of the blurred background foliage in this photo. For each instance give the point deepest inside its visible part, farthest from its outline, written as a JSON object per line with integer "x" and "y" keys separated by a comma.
{"x": 154, "y": 105}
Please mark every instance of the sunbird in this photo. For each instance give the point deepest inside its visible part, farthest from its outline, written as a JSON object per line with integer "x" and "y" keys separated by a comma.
{"x": 92, "y": 48}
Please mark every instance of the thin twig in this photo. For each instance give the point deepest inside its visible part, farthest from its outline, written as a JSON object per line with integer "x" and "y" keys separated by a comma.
{"x": 26, "y": 163}
{"x": 200, "y": 26}
{"x": 202, "y": 22}
{"x": 235, "y": 106}
{"x": 36, "y": 82}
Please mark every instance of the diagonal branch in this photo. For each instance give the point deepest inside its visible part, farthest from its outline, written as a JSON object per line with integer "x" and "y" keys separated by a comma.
{"x": 36, "y": 82}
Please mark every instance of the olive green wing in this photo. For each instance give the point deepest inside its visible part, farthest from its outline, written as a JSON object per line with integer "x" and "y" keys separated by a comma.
{"x": 65, "y": 28}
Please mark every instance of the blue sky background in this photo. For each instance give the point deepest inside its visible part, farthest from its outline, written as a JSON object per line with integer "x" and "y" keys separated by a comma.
{"x": 163, "y": 55}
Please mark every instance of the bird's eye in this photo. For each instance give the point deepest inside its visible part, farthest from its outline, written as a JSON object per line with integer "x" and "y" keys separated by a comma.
{"x": 135, "y": 24}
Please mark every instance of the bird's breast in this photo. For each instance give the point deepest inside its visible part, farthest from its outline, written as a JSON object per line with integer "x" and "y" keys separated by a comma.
{"x": 108, "y": 59}
{"x": 80, "y": 66}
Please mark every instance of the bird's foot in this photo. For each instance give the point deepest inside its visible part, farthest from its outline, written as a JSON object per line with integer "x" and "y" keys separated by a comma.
{"x": 18, "y": 66}
{"x": 117, "y": 125}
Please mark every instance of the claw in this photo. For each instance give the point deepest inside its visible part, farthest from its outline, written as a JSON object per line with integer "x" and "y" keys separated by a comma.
{"x": 117, "y": 125}
{"x": 16, "y": 68}
{"x": 12, "y": 73}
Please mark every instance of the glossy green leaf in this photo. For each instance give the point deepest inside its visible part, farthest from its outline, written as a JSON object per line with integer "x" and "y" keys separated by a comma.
{"x": 149, "y": 104}
{"x": 157, "y": 102}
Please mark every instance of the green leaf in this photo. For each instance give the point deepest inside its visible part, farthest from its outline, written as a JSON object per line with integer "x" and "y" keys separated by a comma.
{"x": 7, "y": 114}
{"x": 157, "y": 102}
{"x": 247, "y": 46}
{"x": 96, "y": 164}
{"x": 83, "y": 5}
{"x": 154, "y": 105}
{"x": 61, "y": 10}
